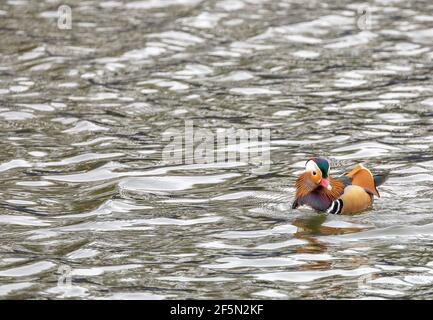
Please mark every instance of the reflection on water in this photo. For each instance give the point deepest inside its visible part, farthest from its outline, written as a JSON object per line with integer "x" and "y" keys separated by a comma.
{"x": 87, "y": 197}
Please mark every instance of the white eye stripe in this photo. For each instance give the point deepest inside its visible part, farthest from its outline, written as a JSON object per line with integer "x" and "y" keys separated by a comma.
{"x": 311, "y": 166}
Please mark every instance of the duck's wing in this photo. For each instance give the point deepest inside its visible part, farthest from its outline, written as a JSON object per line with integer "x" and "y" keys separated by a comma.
{"x": 345, "y": 180}
{"x": 362, "y": 177}
{"x": 380, "y": 178}
{"x": 359, "y": 188}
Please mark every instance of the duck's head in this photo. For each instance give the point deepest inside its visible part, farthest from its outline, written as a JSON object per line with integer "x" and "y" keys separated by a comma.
{"x": 317, "y": 173}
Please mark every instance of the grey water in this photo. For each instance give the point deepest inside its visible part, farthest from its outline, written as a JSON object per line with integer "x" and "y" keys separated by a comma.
{"x": 89, "y": 209}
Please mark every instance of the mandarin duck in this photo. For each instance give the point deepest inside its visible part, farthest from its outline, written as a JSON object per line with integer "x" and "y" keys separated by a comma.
{"x": 350, "y": 193}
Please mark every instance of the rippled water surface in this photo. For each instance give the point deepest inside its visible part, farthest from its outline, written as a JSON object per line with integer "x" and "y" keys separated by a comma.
{"x": 86, "y": 196}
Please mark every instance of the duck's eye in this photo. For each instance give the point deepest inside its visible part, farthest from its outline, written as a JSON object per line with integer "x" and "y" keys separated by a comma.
{"x": 314, "y": 173}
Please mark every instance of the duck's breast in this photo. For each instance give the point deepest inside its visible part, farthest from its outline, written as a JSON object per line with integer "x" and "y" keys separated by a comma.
{"x": 316, "y": 201}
